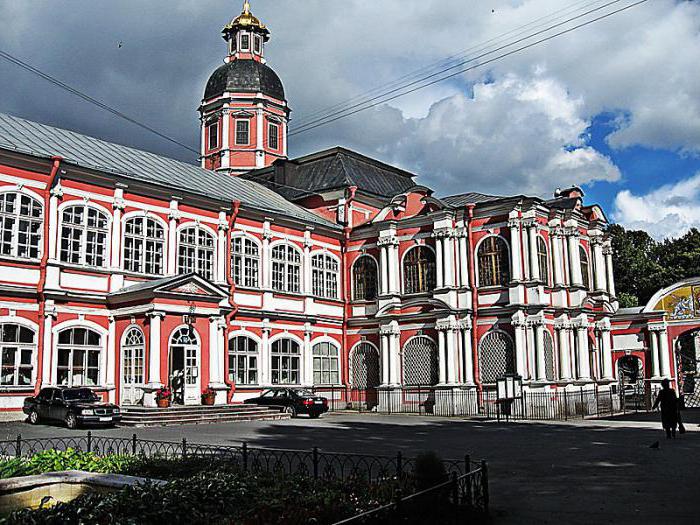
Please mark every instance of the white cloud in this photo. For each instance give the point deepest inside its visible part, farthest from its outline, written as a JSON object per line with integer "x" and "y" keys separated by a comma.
{"x": 668, "y": 211}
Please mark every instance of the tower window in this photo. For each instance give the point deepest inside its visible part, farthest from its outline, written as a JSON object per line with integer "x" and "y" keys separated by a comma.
{"x": 257, "y": 44}
{"x": 245, "y": 42}
{"x": 213, "y": 135}
{"x": 273, "y": 139}
{"x": 242, "y": 132}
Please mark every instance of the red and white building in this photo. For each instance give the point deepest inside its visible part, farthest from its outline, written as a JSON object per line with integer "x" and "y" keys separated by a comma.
{"x": 121, "y": 267}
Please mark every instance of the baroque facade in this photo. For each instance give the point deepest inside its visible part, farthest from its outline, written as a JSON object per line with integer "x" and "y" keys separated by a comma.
{"x": 122, "y": 269}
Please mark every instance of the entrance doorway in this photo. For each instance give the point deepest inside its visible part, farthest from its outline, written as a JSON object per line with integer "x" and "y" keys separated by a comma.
{"x": 688, "y": 367}
{"x": 133, "y": 356}
{"x": 636, "y": 393}
{"x": 184, "y": 366}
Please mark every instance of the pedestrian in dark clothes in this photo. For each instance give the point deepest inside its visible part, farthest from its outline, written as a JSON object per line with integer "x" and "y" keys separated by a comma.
{"x": 668, "y": 401}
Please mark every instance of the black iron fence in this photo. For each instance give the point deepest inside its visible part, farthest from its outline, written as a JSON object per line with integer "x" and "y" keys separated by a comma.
{"x": 553, "y": 405}
{"x": 472, "y": 476}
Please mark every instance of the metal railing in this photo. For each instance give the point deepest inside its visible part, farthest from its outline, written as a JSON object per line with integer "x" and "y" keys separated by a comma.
{"x": 553, "y": 405}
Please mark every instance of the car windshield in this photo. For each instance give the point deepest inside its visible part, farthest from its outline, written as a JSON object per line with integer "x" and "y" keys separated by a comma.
{"x": 304, "y": 393}
{"x": 80, "y": 394}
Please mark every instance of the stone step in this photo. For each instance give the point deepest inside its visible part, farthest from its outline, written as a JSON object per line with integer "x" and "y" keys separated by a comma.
{"x": 222, "y": 409}
{"x": 153, "y": 422}
{"x": 183, "y": 415}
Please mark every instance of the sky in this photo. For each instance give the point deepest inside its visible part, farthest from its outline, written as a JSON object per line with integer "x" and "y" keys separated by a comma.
{"x": 613, "y": 107}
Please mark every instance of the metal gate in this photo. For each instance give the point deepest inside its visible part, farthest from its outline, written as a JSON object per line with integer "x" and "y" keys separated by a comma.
{"x": 364, "y": 374}
{"x": 688, "y": 367}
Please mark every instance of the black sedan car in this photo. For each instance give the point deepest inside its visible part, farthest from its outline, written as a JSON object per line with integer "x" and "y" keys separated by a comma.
{"x": 293, "y": 401}
{"x": 73, "y": 406}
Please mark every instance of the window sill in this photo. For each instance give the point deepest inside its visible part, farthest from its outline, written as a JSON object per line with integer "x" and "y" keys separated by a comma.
{"x": 10, "y": 389}
{"x": 83, "y": 267}
{"x": 19, "y": 260}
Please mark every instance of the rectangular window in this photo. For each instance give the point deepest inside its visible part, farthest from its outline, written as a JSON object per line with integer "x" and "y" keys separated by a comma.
{"x": 245, "y": 42}
{"x": 213, "y": 135}
{"x": 242, "y": 132}
{"x": 257, "y": 44}
{"x": 273, "y": 136}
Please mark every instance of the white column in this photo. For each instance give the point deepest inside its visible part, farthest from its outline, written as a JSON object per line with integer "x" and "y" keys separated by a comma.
{"x": 173, "y": 218}
{"x": 534, "y": 263}
{"x": 442, "y": 355}
{"x": 599, "y": 263}
{"x": 308, "y": 362}
{"x": 518, "y": 322}
{"x": 515, "y": 260}
{"x": 463, "y": 260}
{"x": 266, "y": 277}
{"x": 47, "y": 350}
{"x": 154, "y": 350}
{"x": 556, "y": 248}
{"x": 564, "y": 337}
{"x": 260, "y": 125}
{"x": 451, "y": 354}
{"x": 467, "y": 355}
{"x": 109, "y": 374}
{"x": 265, "y": 354}
{"x": 394, "y": 358}
{"x": 584, "y": 362}
{"x": 221, "y": 263}
{"x": 575, "y": 259}
{"x": 394, "y": 287}
{"x": 655, "y": 369}
{"x": 56, "y": 194}
{"x": 214, "y": 350}
{"x": 530, "y": 341}
{"x": 384, "y": 270}
{"x": 306, "y": 285}
{"x": 439, "y": 261}
{"x": 449, "y": 257}
{"x": 118, "y": 206}
{"x": 384, "y": 350}
{"x": 226, "y": 137}
{"x": 605, "y": 337}
{"x": 607, "y": 251}
{"x": 665, "y": 360}
{"x": 539, "y": 339}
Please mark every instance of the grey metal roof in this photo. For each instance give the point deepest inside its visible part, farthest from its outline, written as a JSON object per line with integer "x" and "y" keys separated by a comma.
{"x": 245, "y": 76}
{"x": 337, "y": 168}
{"x": 40, "y": 140}
{"x": 463, "y": 199}
{"x": 149, "y": 285}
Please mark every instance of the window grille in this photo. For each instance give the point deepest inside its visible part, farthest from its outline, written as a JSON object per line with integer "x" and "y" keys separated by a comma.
{"x": 286, "y": 269}
{"x": 585, "y": 275}
{"x": 21, "y": 219}
{"x": 243, "y": 360}
{"x": 79, "y": 351}
{"x": 496, "y": 356}
{"x": 273, "y": 136}
{"x": 84, "y": 233}
{"x": 542, "y": 260}
{"x": 196, "y": 252}
{"x": 245, "y": 262}
{"x": 494, "y": 267}
{"x": 364, "y": 275}
{"x": 548, "y": 356}
{"x": 285, "y": 362}
{"x": 242, "y": 132}
{"x": 326, "y": 364}
{"x": 17, "y": 352}
{"x": 324, "y": 276}
{"x": 364, "y": 365}
{"x": 144, "y": 246}
{"x": 419, "y": 270}
{"x": 420, "y": 362}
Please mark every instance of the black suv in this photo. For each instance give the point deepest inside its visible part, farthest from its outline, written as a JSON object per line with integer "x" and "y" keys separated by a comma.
{"x": 73, "y": 406}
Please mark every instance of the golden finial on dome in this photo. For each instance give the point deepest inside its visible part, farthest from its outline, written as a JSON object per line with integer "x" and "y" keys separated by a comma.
{"x": 246, "y": 19}
{"x": 246, "y": 7}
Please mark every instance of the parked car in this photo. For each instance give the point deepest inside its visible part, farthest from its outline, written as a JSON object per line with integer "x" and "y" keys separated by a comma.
{"x": 73, "y": 406}
{"x": 294, "y": 401}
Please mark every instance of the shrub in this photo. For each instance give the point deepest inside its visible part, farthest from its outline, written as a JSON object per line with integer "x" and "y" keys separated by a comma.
{"x": 70, "y": 459}
{"x": 429, "y": 470}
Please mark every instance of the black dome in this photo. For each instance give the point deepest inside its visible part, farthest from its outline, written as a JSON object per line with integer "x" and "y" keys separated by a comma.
{"x": 247, "y": 76}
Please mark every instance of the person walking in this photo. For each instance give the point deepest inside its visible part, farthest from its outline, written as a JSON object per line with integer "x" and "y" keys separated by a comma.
{"x": 668, "y": 400}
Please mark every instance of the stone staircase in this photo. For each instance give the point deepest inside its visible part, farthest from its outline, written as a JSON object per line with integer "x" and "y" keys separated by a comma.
{"x": 139, "y": 416}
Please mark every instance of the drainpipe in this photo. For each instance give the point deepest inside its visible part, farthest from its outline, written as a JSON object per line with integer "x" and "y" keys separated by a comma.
{"x": 236, "y": 205}
{"x": 42, "y": 269}
{"x": 346, "y": 281}
{"x": 475, "y": 298}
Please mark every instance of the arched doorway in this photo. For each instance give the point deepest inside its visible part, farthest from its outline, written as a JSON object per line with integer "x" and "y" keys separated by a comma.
{"x": 184, "y": 366}
{"x": 630, "y": 377}
{"x": 364, "y": 375}
{"x": 688, "y": 367}
{"x": 133, "y": 355}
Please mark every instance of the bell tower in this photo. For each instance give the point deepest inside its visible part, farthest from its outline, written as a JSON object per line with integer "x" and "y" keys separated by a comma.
{"x": 244, "y": 112}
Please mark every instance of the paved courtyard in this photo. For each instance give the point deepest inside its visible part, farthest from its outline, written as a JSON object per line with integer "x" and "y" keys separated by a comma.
{"x": 584, "y": 472}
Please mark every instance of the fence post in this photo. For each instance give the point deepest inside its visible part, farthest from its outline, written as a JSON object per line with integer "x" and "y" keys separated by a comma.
{"x": 455, "y": 494}
{"x": 315, "y": 459}
{"x": 485, "y": 484}
{"x": 612, "y": 407}
{"x": 89, "y": 441}
{"x": 524, "y": 404}
{"x": 245, "y": 457}
{"x": 468, "y": 485}
{"x": 184, "y": 448}
{"x": 399, "y": 465}
{"x": 18, "y": 449}
{"x": 597, "y": 403}
{"x": 133, "y": 444}
{"x": 566, "y": 405}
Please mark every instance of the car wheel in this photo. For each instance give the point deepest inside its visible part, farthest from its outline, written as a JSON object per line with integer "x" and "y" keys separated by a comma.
{"x": 71, "y": 421}
{"x": 34, "y": 417}
{"x": 291, "y": 411}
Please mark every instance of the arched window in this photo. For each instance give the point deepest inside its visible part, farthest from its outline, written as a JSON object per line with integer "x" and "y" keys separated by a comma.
{"x": 144, "y": 245}
{"x": 243, "y": 360}
{"x": 133, "y": 356}
{"x": 324, "y": 276}
{"x": 79, "y": 357}
{"x": 84, "y": 233}
{"x": 364, "y": 366}
{"x": 21, "y": 218}
{"x": 196, "y": 252}
{"x": 585, "y": 276}
{"x": 496, "y": 356}
{"x": 548, "y": 356}
{"x": 420, "y": 362}
{"x": 326, "y": 364}
{"x": 494, "y": 267}
{"x": 542, "y": 260}
{"x": 364, "y": 279}
{"x": 286, "y": 268}
{"x": 285, "y": 362}
{"x": 245, "y": 262}
{"x": 419, "y": 270}
{"x": 17, "y": 349}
